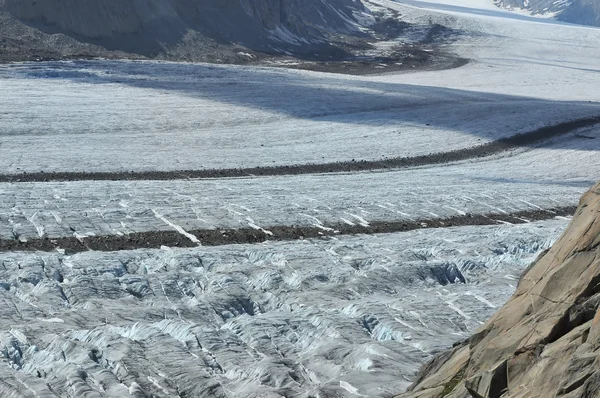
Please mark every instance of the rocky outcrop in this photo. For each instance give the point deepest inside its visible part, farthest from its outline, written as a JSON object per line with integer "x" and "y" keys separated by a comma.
{"x": 151, "y": 27}
{"x": 545, "y": 341}
{"x": 584, "y": 12}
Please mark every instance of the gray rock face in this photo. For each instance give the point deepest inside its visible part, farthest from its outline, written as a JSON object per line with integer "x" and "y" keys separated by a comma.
{"x": 148, "y": 27}
{"x": 585, "y": 12}
{"x": 545, "y": 341}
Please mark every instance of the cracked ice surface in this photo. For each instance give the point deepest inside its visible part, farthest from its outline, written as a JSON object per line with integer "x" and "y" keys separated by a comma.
{"x": 331, "y": 317}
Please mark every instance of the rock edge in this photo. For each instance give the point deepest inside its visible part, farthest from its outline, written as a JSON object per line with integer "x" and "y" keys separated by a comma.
{"x": 545, "y": 341}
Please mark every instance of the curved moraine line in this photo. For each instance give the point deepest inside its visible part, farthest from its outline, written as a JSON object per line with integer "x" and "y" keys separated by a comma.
{"x": 221, "y": 237}
{"x": 480, "y": 151}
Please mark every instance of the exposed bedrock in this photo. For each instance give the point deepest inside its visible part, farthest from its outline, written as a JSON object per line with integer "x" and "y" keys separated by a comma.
{"x": 545, "y": 341}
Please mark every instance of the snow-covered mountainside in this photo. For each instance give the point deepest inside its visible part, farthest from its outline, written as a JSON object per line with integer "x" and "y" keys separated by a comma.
{"x": 586, "y": 12}
{"x": 198, "y": 230}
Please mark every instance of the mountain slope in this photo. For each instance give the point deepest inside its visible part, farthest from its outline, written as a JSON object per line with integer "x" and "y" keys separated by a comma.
{"x": 151, "y": 27}
{"x": 584, "y": 12}
{"x": 545, "y": 341}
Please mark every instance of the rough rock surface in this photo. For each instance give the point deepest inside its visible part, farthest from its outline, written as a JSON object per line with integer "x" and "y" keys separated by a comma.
{"x": 151, "y": 27}
{"x": 545, "y": 341}
{"x": 338, "y": 36}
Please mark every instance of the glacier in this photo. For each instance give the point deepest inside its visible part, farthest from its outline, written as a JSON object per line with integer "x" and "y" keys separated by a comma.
{"x": 337, "y": 316}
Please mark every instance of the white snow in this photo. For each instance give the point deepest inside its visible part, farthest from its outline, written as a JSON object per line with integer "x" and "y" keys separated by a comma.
{"x": 176, "y": 227}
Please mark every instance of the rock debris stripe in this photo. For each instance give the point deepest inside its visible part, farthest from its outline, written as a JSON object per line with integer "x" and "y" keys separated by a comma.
{"x": 480, "y": 151}
{"x": 221, "y": 237}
